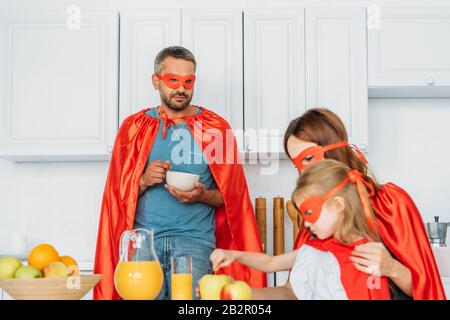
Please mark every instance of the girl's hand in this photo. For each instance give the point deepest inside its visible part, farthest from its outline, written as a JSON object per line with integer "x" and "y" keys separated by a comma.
{"x": 373, "y": 258}
{"x": 221, "y": 258}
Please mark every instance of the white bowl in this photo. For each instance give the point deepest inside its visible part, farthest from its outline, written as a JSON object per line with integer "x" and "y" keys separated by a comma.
{"x": 182, "y": 180}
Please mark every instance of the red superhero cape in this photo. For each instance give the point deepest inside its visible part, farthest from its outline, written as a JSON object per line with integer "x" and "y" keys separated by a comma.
{"x": 403, "y": 232}
{"x": 357, "y": 284}
{"x": 236, "y": 227}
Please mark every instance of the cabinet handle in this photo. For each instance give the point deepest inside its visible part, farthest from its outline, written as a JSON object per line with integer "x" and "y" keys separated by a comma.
{"x": 430, "y": 81}
{"x": 247, "y": 147}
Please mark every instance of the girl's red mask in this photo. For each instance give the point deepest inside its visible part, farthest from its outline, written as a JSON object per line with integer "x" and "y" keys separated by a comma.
{"x": 311, "y": 208}
{"x": 174, "y": 81}
{"x": 317, "y": 153}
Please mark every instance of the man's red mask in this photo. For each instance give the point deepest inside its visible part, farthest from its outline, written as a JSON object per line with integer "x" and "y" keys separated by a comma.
{"x": 311, "y": 208}
{"x": 174, "y": 81}
{"x": 317, "y": 153}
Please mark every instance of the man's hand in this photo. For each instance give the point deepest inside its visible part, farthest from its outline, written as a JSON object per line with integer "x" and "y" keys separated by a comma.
{"x": 211, "y": 197}
{"x": 154, "y": 174}
{"x": 194, "y": 195}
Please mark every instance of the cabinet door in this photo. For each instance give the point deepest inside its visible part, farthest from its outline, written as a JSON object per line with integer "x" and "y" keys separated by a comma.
{"x": 58, "y": 86}
{"x": 274, "y": 80}
{"x": 215, "y": 38}
{"x": 336, "y": 66}
{"x": 142, "y": 35}
{"x": 410, "y": 47}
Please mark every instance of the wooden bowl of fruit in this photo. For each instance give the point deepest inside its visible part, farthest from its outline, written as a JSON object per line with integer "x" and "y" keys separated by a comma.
{"x": 47, "y": 276}
{"x": 70, "y": 288}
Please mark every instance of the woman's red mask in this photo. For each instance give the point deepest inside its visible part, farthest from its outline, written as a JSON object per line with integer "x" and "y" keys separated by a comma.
{"x": 311, "y": 208}
{"x": 174, "y": 81}
{"x": 317, "y": 153}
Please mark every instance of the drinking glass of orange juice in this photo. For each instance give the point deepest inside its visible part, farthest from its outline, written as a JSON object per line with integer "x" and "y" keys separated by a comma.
{"x": 138, "y": 275}
{"x": 181, "y": 272}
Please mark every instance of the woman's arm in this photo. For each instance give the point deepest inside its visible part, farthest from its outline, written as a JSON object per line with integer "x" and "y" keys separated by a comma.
{"x": 259, "y": 261}
{"x": 401, "y": 276}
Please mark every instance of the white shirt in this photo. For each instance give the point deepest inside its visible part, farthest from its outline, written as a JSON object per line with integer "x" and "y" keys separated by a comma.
{"x": 316, "y": 275}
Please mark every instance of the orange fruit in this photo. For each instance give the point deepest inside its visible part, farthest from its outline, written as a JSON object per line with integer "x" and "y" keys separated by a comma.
{"x": 42, "y": 255}
{"x": 70, "y": 263}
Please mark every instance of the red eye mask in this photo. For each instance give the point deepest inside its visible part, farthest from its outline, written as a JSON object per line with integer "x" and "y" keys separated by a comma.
{"x": 174, "y": 81}
{"x": 317, "y": 153}
{"x": 311, "y": 208}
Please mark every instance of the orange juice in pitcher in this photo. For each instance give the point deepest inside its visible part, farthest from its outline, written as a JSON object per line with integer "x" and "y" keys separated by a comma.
{"x": 138, "y": 275}
{"x": 141, "y": 280}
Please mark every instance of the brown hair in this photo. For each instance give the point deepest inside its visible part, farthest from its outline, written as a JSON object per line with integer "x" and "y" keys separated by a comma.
{"x": 176, "y": 52}
{"x": 323, "y": 176}
{"x": 323, "y": 127}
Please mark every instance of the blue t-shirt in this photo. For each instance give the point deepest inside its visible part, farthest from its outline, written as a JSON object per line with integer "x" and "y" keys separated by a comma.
{"x": 157, "y": 209}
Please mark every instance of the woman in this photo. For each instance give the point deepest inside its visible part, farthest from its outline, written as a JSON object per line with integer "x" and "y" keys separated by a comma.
{"x": 404, "y": 255}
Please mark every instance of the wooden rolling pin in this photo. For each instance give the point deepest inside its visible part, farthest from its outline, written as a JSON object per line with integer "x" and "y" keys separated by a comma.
{"x": 293, "y": 215}
{"x": 278, "y": 225}
{"x": 260, "y": 205}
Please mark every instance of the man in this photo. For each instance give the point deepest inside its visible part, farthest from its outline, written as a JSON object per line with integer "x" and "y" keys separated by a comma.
{"x": 217, "y": 212}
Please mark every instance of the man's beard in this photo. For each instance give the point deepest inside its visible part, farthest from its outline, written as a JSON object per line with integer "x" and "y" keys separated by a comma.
{"x": 176, "y": 107}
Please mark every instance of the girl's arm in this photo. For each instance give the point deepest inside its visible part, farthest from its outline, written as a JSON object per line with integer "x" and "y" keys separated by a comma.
{"x": 259, "y": 261}
{"x": 274, "y": 293}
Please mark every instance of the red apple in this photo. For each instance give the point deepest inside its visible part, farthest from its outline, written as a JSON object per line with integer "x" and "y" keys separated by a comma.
{"x": 211, "y": 286}
{"x": 238, "y": 290}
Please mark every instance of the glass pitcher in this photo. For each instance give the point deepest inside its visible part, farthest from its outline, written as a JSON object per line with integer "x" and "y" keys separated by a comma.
{"x": 138, "y": 275}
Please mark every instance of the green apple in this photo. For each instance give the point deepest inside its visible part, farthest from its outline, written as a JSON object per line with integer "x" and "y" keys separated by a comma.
{"x": 55, "y": 269}
{"x": 211, "y": 286}
{"x": 27, "y": 272}
{"x": 8, "y": 267}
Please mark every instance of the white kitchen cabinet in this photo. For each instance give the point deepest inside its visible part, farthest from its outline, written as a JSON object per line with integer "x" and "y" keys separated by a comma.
{"x": 215, "y": 38}
{"x": 142, "y": 35}
{"x": 58, "y": 86}
{"x": 409, "y": 47}
{"x": 336, "y": 66}
{"x": 274, "y": 75}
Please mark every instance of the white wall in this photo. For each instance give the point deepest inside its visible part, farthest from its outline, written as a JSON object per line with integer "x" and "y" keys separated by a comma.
{"x": 59, "y": 202}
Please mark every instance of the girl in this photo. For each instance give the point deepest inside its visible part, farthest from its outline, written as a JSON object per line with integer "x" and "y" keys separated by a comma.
{"x": 333, "y": 201}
